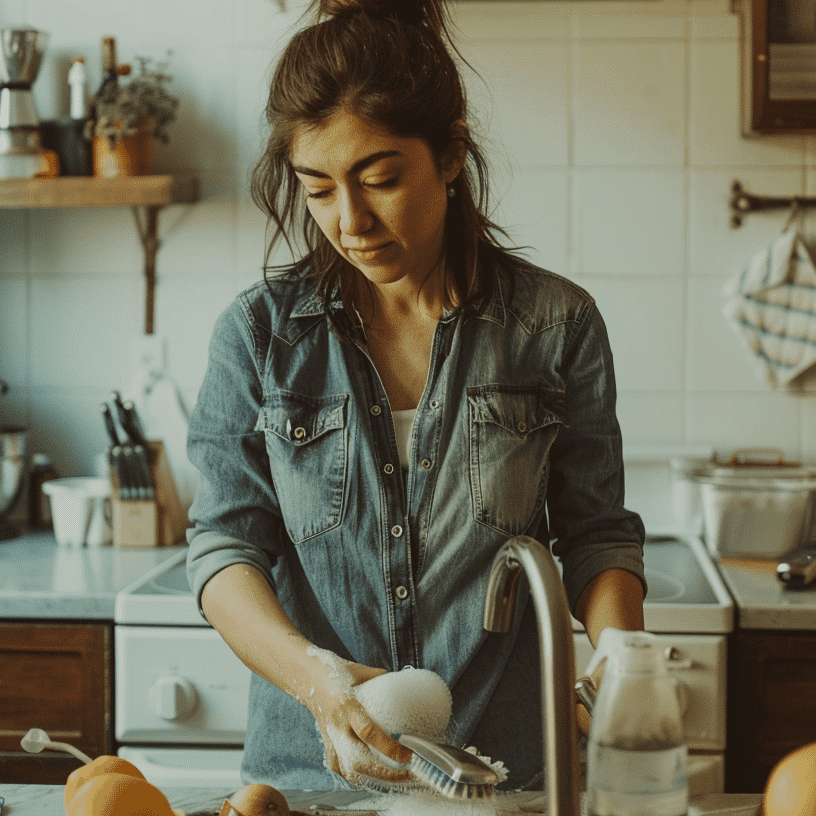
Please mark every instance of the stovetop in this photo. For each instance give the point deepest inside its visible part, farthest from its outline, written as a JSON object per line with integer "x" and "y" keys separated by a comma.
{"x": 686, "y": 593}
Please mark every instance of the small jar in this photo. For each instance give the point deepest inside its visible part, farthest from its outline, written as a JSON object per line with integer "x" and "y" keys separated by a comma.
{"x": 39, "y": 507}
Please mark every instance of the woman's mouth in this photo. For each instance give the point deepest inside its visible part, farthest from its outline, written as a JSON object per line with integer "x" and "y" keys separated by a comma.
{"x": 372, "y": 253}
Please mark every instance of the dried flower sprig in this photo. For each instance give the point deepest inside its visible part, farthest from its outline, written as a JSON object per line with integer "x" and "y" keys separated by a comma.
{"x": 143, "y": 99}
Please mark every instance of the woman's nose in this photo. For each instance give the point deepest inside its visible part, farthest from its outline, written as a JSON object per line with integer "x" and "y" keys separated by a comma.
{"x": 355, "y": 216}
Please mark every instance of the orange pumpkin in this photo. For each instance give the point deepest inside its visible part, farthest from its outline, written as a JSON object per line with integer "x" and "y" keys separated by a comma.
{"x": 101, "y": 765}
{"x": 118, "y": 794}
{"x": 791, "y": 786}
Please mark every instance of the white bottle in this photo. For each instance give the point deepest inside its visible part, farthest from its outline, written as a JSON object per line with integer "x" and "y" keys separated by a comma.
{"x": 636, "y": 755}
{"x": 76, "y": 80}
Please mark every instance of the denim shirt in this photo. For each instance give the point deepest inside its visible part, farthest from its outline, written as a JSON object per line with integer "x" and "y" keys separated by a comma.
{"x": 515, "y": 433}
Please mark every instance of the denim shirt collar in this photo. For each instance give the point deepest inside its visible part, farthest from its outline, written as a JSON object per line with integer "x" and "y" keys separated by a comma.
{"x": 308, "y": 309}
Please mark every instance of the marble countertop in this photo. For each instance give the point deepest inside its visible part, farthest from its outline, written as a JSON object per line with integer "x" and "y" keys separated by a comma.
{"x": 762, "y": 601}
{"x": 47, "y": 800}
{"x": 40, "y": 579}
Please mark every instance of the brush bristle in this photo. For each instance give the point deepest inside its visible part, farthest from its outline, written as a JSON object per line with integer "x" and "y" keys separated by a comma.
{"x": 441, "y": 782}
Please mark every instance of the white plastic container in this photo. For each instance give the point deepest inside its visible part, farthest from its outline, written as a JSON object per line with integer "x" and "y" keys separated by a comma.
{"x": 80, "y": 510}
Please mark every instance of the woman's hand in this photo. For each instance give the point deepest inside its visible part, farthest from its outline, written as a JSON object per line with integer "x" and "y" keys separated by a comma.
{"x": 240, "y": 604}
{"x": 583, "y": 715}
{"x": 351, "y": 739}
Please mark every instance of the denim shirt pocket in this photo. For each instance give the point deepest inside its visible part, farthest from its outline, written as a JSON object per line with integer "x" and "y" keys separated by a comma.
{"x": 510, "y": 434}
{"x": 307, "y": 443}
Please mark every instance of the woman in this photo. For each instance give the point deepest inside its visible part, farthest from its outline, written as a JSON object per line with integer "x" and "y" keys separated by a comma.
{"x": 377, "y": 420}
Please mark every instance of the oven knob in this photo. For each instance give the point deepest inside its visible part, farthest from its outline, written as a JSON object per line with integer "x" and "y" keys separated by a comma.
{"x": 173, "y": 698}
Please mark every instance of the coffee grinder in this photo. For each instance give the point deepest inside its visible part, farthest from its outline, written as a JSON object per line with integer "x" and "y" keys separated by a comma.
{"x": 22, "y": 53}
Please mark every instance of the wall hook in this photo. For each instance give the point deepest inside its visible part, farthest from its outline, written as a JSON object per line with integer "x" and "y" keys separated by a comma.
{"x": 742, "y": 203}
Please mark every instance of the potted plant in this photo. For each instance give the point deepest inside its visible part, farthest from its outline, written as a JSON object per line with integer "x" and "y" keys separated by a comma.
{"x": 129, "y": 117}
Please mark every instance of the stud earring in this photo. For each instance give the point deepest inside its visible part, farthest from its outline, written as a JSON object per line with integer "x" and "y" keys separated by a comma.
{"x": 451, "y": 191}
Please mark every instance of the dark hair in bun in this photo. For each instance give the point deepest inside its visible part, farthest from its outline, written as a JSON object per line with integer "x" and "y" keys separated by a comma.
{"x": 390, "y": 63}
{"x": 420, "y": 12}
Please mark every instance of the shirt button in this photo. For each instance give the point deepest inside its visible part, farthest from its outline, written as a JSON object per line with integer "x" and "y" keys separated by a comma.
{"x": 396, "y": 531}
{"x": 522, "y": 426}
{"x": 375, "y": 410}
{"x": 389, "y": 468}
{"x": 402, "y": 593}
{"x": 426, "y": 464}
{"x": 434, "y": 404}
{"x": 300, "y": 433}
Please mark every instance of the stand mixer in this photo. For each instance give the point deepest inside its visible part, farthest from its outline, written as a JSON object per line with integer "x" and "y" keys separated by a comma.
{"x": 22, "y": 53}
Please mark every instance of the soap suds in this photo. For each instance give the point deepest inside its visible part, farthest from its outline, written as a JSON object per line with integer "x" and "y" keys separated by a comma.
{"x": 498, "y": 766}
{"x": 338, "y": 666}
{"x": 411, "y": 701}
{"x": 423, "y": 803}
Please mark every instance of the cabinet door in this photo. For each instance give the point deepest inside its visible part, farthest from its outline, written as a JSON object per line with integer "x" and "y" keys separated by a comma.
{"x": 56, "y": 677}
{"x": 771, "y": 704}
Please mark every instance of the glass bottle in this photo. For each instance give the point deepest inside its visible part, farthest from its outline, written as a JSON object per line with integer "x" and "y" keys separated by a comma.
{"x": 110, "y": 77}
{"x": 636, "y": 754}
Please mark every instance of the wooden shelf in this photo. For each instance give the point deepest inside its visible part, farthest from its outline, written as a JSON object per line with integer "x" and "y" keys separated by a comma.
{"x": 148, "y": 193}
{"x": 87, "y": 191}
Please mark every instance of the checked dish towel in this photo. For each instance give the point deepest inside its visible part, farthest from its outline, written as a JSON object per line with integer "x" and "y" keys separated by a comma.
{"x": 771, "y": 305}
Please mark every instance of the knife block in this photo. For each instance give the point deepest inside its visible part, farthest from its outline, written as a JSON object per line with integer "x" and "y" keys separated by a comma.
{"x": 156, "y": 522}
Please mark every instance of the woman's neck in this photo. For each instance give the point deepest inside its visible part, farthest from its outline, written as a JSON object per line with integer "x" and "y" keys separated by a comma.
{"x": 381, "y": 306}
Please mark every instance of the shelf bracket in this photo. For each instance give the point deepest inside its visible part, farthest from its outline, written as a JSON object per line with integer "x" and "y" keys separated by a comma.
{"x": 147, "y": 227}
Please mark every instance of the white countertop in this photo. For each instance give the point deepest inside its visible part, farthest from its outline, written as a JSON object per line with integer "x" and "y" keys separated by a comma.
{"x": 40, "y": 579}
{"x": 47, "y": 800}
{"x": 762, "y": 601}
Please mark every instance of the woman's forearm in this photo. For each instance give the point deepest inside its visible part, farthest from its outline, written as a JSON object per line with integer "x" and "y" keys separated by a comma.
{"x": 613, "y": 598}
{"x": 241, "y": 606}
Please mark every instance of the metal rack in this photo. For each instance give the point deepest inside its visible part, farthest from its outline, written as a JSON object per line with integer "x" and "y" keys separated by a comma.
{"x": 743, "y": 203}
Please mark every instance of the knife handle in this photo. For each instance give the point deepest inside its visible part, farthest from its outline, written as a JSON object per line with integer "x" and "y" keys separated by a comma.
{"x": 110, "y": 425}
{"x": 132, "y": 424}
{"x": 798, "y": 569}
{"x": 120, "y": 465}
{"x": 140, "y": 456}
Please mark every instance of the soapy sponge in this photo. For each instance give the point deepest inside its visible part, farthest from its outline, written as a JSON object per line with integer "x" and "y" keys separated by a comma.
{"x": 411, "y": 701}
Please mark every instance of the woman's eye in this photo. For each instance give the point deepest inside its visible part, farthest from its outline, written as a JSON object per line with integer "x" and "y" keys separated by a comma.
{"x": 384, "y": 184}
{"x": 318, "y": 194}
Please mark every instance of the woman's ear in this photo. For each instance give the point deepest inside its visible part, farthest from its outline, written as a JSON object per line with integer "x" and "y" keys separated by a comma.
{"x": 453, "y": 159}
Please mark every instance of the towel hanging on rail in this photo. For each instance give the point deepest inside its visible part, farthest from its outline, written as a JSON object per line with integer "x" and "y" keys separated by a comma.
{"x": 771, "y": 305}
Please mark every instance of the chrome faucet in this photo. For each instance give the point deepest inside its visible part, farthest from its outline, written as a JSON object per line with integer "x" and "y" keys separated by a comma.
{"x": 557, "y": 658}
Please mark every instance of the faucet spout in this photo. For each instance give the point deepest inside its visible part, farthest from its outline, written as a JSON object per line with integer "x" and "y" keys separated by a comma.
{"x": 557, "y": 658}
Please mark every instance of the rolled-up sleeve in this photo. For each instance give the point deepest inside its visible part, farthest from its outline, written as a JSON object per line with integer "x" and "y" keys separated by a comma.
{"x": 591, "y": 528}
{"x": 235, "y": 514}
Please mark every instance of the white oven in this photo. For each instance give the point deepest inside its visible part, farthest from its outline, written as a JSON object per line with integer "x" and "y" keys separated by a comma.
{"x": 181, "y": 694}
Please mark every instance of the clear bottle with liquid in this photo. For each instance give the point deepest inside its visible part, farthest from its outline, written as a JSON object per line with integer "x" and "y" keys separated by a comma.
{"x": 636, "y": 754}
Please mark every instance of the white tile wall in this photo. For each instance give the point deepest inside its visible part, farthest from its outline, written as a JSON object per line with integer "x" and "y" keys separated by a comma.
{"x": 615, "y": 131}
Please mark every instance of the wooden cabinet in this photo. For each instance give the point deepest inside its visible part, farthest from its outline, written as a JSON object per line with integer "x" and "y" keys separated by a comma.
{"x": 778, "y": 51}
{"x": 58, "y": 677}
{"x": 771, "y": 703}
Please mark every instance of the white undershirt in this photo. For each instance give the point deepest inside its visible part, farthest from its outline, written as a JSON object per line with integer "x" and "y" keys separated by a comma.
{"x": 403, "y": 420}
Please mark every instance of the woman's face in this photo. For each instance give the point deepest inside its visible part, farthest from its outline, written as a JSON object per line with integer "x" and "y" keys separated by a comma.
{"x": 380, "y": 199}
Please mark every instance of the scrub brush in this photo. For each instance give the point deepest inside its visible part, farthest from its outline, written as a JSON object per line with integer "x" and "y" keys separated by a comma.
{"x": 451, "y": 771}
